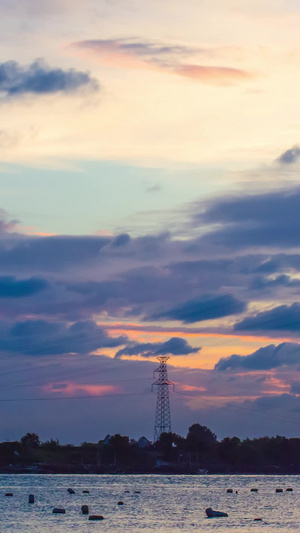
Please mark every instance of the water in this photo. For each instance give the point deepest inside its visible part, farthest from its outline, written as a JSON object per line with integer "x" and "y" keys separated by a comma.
{"x": 166, "y": 504}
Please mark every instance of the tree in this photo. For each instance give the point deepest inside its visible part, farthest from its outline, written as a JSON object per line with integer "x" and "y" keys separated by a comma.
{"x": 200, "y": 435}
{"x": 200, "y": 440}
{"x": 30, "y": 440}
{"x": 228, "y": 450}
{"x": 168, "y": 444}
{"x": 51, "y": 444}
{"x": 120, "y": 447}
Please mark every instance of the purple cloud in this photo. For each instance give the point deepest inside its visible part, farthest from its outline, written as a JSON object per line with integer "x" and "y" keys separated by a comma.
{"x": 282, "y": 318}
{"x": 10, "y": 287}
{"x": 174, "y": 346}
{"x": 263, "y": 359}
{"x": 206, "y": 308}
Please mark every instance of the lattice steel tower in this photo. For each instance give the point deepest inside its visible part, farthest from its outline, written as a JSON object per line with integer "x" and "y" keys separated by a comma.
{"x": 162, "y": 415}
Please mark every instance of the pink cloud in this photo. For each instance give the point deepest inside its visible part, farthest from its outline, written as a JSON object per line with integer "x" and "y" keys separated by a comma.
{"x": 211, "y": 74}
{"x": 123, "y": 53}
{"x": 69, "y": 388}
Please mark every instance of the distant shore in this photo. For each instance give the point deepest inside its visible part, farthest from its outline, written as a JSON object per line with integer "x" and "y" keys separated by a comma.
{"x": 162, "y": 472}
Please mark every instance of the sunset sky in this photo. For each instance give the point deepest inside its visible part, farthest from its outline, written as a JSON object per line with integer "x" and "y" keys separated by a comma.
{"x": 150, "y": 204}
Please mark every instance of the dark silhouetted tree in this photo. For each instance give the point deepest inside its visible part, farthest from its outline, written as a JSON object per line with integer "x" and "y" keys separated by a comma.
{"x": 30, "y": 440}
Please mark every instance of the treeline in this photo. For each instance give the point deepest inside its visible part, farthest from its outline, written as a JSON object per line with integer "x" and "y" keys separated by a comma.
{"x": 198, "y": 452}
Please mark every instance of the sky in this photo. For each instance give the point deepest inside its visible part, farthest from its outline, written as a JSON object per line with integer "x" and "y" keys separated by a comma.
{"x": 149, "y": 185}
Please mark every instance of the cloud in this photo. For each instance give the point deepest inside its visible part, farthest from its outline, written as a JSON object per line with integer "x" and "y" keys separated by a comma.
{"x": 212, "y": 74}
{"x": 39, "y": 337}
{"x": 10, "y": 287}
{"x": 70, "y": 388}
{"x": 263, "y": 359}
{"x": 282, "y": 318}
{"x": 6, "y": 225}
{"x": 125, "y": 276}
{"x": 48, "y": 253}
{"x": 261, "y": 283}
{"x": 129, "y": 53}
{"x": 38, "y": 78}
{"x": 295, "y": 387}
{"x": 206, "y": 308}
{"x": 289, "y": 156}
{"x": 120, "y": 49}
{"x": 267, "y": 219}
{"x": 174, "y": 346}
{"x": 121, "y": 240}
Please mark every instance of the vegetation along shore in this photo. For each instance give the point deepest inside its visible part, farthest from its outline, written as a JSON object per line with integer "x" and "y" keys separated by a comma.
{"x": 200, "y": 452}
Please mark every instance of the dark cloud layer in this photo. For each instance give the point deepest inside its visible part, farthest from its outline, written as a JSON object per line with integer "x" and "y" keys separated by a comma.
{"x": 10, "y": 287}
{"x": 206, "y": 308}
{"x": 282, "y": 318}
{"x": 174, "y": 346}
{"x": 39, "y": 337}
{"x": 269, "y": 220}
{"x": 39, "y": 78}
{"x": 49, "y": 253}
{"x": 263, "y": 359}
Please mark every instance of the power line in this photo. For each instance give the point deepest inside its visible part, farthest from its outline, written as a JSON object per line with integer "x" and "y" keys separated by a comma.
{"x": 103, "y": 396}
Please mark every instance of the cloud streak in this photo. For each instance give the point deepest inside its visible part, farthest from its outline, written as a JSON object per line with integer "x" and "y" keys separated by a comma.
{"x": 126, "y": 53}
{"x": 212, "y": 74}
{"x": 206, "y": 308}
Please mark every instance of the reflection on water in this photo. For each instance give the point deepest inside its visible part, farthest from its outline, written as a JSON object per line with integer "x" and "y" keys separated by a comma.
{"x": 164, "y": 504}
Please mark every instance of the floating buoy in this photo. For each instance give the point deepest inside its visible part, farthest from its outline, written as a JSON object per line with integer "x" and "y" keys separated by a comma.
{"x": 229, "y": 491}
{"x": 96, "y": 517}
{"x": 137, "y": 492}
{"x": 254, "y": 490}
{"x": 120, "y": 503}
{"x": 289, "y": 489}
{"x": 126, "y": 490}
{"x": 86, "y": 491}
{"x": 279, "y": 490}
{"x": 9, "y": 494}
{"x": 257, "y": 519}
{"x": 214, "y": 514}
{"x": 58, "y": 510}
{"x": 85, "y": 509}
{"x": 31, "y": 498}
{"x": 71, "y": 491}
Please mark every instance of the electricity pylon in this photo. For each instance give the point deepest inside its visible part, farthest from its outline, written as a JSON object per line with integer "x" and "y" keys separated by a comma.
{"x": 162, "y": 415}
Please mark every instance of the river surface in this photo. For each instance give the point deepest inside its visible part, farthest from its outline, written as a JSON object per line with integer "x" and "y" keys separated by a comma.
{"x": 167, "y": 504}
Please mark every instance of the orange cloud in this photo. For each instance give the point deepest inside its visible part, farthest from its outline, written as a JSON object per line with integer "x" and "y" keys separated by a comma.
{"x": 189, "y": 388}
{"x": 162, "y": 331}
